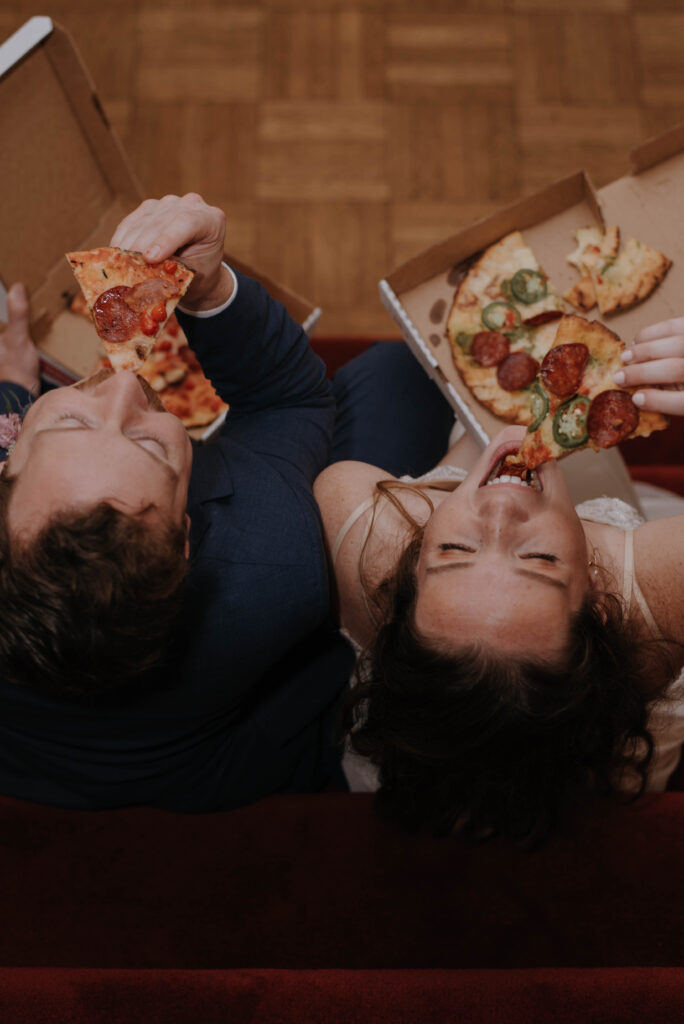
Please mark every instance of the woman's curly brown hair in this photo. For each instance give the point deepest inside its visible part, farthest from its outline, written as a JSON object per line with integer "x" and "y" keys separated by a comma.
{"x": 469, "y": 740}
{"x": 89, "y": 602}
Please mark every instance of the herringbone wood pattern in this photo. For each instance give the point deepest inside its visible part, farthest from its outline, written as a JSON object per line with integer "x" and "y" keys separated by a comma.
{"x": 343, "y": 137}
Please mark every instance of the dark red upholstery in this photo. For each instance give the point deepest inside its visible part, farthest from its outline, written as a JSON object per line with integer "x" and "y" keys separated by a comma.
{"x": 652, "y": 995}
{"x": 319, "y": 882}
{"x": 309, "y": 908}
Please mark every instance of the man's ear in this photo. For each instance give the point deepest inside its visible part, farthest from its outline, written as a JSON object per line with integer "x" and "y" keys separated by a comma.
{"x": 187, "y": 535}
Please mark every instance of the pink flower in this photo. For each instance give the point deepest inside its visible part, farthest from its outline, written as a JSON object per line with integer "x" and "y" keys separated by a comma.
{"x": 10, "y": 425}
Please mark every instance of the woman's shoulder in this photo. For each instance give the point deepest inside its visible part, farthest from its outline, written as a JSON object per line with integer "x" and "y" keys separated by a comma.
{"x": 340, "y": 489}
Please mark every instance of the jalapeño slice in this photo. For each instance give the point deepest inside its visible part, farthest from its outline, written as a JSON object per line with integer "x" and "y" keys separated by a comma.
{"x": 539, "y": 405}
{"x": 464, "y": 339}
{"x": 570, "y": 422}
{"x": 500, "y": 316}
{"x": 528, "y": 286}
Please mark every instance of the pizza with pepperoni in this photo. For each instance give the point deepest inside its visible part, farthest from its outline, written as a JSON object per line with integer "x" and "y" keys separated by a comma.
{"x": 129, "y": 299}
{"x": 578, "y": 403}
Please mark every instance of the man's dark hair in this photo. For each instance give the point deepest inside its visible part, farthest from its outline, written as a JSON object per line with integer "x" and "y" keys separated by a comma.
{"x": 89, "y": 601}
{"x": 469, "y": 740}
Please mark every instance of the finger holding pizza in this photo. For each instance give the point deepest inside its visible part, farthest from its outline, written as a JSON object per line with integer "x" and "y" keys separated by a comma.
{"x": 187, "y": 227}
{"x": 656, "y": 363}
{"x": 19, "y": 361}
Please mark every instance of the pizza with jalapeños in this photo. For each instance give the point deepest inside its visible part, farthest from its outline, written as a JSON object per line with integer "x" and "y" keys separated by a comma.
{"x": 130, "y": 300}
{"x": 580, "y": 406}
{"x": 502, "y": 322}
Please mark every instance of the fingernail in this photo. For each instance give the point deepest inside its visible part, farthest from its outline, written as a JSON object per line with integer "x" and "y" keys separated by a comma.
{"x": 619, "y": 377}
{"x": 639, "y": 399}
{"x": 153, "y": 252}
{"x": 627, "y": 356}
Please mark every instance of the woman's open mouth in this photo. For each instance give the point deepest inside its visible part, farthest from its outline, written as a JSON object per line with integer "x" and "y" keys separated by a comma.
{"x": 504, "y": 470}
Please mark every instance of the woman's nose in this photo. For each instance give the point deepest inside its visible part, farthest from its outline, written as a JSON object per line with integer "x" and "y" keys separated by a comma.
{"x": 500, "y": 506}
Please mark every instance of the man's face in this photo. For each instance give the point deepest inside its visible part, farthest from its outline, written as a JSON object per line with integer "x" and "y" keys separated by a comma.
{"x": 104, "y": 439}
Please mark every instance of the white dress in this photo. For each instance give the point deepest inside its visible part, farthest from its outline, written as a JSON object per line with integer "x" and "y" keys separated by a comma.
{"x": 666, "y": 720}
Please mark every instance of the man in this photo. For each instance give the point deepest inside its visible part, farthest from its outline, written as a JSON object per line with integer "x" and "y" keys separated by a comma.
{"x": 122, "y": 679}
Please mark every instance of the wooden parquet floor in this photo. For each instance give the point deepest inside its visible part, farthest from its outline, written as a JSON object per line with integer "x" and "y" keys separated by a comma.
{"x": 343, "y": 136}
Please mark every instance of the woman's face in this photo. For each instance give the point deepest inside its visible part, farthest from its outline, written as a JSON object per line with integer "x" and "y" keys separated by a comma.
{"x": 503, "y": 564}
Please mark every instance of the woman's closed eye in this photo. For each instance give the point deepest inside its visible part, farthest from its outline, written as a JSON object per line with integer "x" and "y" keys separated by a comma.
{"x": 456, "y": 547}
{"x": 542, "y": 555}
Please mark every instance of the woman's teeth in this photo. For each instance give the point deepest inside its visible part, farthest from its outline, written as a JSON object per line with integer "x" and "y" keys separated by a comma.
{"x": 505, "y": 479}
{"x": 522, "y": 476}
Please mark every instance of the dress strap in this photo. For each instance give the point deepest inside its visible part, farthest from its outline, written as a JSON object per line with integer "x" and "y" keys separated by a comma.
{"x": 347, "y": 525}
{"x": 631, "y": 589}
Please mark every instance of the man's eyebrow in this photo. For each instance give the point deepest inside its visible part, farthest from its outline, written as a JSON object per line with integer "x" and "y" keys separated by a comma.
{"x": 542, "y": 576}
{"x": 169, "y": 470}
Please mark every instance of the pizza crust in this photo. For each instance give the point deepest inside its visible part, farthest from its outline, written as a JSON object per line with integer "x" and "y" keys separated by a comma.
{"x": 630, "y": 277}
{"x": 594, "y": 248}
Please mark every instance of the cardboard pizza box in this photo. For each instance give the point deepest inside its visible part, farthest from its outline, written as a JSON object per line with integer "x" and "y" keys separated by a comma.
{"x": 66, "y": 184}
{"x": 419, "y": 293}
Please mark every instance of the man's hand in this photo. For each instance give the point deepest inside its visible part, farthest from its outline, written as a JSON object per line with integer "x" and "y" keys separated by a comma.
{"x": 187, "y": 227}
{"x": 657, "y": 357}
{"x": 19, "y": 360}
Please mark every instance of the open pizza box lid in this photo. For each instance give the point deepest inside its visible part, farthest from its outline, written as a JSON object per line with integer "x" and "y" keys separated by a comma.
{"x": 419, "y": 294}
{"x": 66, "y": 184}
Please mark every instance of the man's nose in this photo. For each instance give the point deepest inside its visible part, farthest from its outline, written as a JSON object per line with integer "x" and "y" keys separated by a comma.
{"x": 123, "y": 393}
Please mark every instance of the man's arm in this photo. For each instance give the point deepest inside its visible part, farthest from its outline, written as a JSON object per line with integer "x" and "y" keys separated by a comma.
{"x": 256, "y": 356}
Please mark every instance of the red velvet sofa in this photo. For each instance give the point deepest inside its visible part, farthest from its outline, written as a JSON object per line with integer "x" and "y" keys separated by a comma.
{"x": 310, "y": 908}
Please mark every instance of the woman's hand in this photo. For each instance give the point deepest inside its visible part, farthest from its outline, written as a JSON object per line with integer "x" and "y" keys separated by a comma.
{"x": 657, "y": 357}
{"x": 187, "y": 227}
{"x": 19, "y": 362}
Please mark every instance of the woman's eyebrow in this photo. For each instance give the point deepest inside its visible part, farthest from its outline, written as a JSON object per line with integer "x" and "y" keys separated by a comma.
{"x": 544, "y": 577}
{"x": 449, "y": 565}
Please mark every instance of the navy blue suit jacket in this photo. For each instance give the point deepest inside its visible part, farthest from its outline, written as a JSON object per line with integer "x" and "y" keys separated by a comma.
{"x": 245, "y": 702}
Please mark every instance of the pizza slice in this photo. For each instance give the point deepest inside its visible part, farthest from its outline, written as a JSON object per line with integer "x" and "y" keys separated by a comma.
{"x": 622, "y": 281}
{"x": 501, "y": 324}
{"x": 594, "y": 248}
{"x": 580, "y": 405}
{"x": 129, "y": 299}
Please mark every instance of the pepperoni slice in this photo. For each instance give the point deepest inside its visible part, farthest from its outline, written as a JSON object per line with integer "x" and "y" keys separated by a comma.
{"x": 562, "y": 368}
{"x": 488, "y": 348}
{"x": 612, "y": 417}
{"x": 516, "y": 371}
{"x": 189, "y": 357}
{"x": 149, "y": 293}
{"x": 543, "y": 318}
{"x": 114, "y": 319}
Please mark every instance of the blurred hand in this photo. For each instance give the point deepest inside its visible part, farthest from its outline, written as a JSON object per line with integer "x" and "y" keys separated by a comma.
{"x": 19, "y": 360}
{"x": 187, "y": 227}
{"x": 657, "y": 357}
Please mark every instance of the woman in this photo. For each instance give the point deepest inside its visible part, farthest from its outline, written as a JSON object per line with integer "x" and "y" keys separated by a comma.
{"x": 517, "y": 655}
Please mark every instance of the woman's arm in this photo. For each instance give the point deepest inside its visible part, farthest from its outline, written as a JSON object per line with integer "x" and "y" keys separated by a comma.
{"x": 659, "y": 569}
